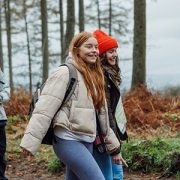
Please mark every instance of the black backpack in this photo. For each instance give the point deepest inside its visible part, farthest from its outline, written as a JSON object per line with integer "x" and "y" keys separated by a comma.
{"x": 49, "y": 136}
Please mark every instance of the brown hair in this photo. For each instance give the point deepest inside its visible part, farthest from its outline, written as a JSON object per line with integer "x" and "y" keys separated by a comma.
{"x": 92, "y": 73}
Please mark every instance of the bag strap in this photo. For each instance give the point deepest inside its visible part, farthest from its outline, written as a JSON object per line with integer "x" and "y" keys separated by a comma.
{"x": 99, "y": 131}
{"x": 73, "y": 78}
{"x": 72, "y": 81}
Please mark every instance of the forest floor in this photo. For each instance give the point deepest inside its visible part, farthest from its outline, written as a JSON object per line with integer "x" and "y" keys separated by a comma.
{"x": 22, "y": 170}
{"x": 148, "y": 114}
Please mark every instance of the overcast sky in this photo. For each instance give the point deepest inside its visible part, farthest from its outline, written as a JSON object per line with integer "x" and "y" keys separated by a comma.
{"x": 163, "y": 44}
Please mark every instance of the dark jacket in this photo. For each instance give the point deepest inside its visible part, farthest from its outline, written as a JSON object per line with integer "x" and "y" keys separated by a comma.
{"x": 113, "y": 97}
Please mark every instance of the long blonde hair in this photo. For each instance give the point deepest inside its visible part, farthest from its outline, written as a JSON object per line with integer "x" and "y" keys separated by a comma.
{"x": 92, "y": 73}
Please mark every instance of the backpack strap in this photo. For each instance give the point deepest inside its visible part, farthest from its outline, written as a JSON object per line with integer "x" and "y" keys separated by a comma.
{"x": 73, "y": 78}
{"x": 72, "y": 81}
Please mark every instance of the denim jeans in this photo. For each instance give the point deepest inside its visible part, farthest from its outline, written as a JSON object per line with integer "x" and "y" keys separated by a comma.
{"x": 80, "y": 164}
{"x": 105, "y": 164}
{"x": 2, "y": 150}
{"x": 110, "y": 170}
{"x": 117, "y": 171}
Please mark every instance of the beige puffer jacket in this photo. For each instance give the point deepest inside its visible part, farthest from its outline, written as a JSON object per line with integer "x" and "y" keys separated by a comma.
{"x": 77, "y": 116}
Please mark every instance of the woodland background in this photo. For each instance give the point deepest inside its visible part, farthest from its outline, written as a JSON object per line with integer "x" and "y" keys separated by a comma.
{"x": 34, "y": 39}
{"x": 35, "y": 35}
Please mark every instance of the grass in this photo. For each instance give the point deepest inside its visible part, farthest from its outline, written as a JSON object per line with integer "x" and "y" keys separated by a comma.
{"x": 178, "y": 175}
{"x": 172, "y": 116}
{"x": 54, "y": 165}
{"x": 151, "y": 155}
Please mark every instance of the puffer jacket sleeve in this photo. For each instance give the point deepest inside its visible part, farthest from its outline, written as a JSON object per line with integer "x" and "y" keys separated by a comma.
{"x": 112, "y": 143}
{"x": 46, "y": 107}
{"x": 4, "y": 88}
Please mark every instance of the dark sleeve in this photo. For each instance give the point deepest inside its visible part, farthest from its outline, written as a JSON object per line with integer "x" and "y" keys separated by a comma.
{"x": 108, "y": 99}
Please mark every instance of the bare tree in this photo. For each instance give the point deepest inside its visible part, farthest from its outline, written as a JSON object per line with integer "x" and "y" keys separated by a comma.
{"x": 45, "y": 53}
{"x": 9, "y": 44}
{"x": 110, "y": 16}
{"x": 139, "y": 46}
{"x": 98, "y": 11}
{"x": 70, "y": 26}
{"x": 28, "y": 48}
{"x": 61, "y": 28}
{"x": 1, "y": 45}
{"x": 81, "y": 15}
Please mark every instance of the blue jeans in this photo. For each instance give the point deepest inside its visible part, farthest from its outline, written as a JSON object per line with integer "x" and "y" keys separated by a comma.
{"x": 110, "y": 170}
{"x": 80, "y": 164}
{"x": 117, "y": 171}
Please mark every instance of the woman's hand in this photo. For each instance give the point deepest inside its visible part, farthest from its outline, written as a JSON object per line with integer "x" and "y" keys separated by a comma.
{"x": 116, "y": 159}
{"x": 27, "y": 154}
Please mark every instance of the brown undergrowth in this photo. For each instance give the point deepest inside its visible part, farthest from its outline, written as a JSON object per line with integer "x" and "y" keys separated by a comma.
{"x": 151, "y": 114}
{"x": 19, "y": 102}
{"x": 148, "y": 112}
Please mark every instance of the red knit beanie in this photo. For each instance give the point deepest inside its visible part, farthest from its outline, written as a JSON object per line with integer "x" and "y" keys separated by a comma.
{"x": 105, "y": 42}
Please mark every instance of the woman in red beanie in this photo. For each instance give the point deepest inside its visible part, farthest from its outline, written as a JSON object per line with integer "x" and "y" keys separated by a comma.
{"x": 107, "y": 45}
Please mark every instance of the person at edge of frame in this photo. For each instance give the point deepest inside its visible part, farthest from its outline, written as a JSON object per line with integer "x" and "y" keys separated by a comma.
{"x": 4, "y": 96}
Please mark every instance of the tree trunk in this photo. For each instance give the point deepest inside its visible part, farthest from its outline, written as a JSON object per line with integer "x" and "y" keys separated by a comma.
{"x": 81, "y": 15}
{"x": 1, "y": 44}
{"x": 28, "y": 48}
{"x": 61, "y": 28}
{"x": 70, "y": 26}
{"x": 110, "y": 16}
{"x": 98, "y": 13}
{"x": 139, "y": 47}
{"x": 45, "y": 53}
{"x": 9, "y": 44}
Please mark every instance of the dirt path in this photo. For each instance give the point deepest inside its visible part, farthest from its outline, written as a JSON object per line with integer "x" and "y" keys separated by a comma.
{"x": 23, "y": 170}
